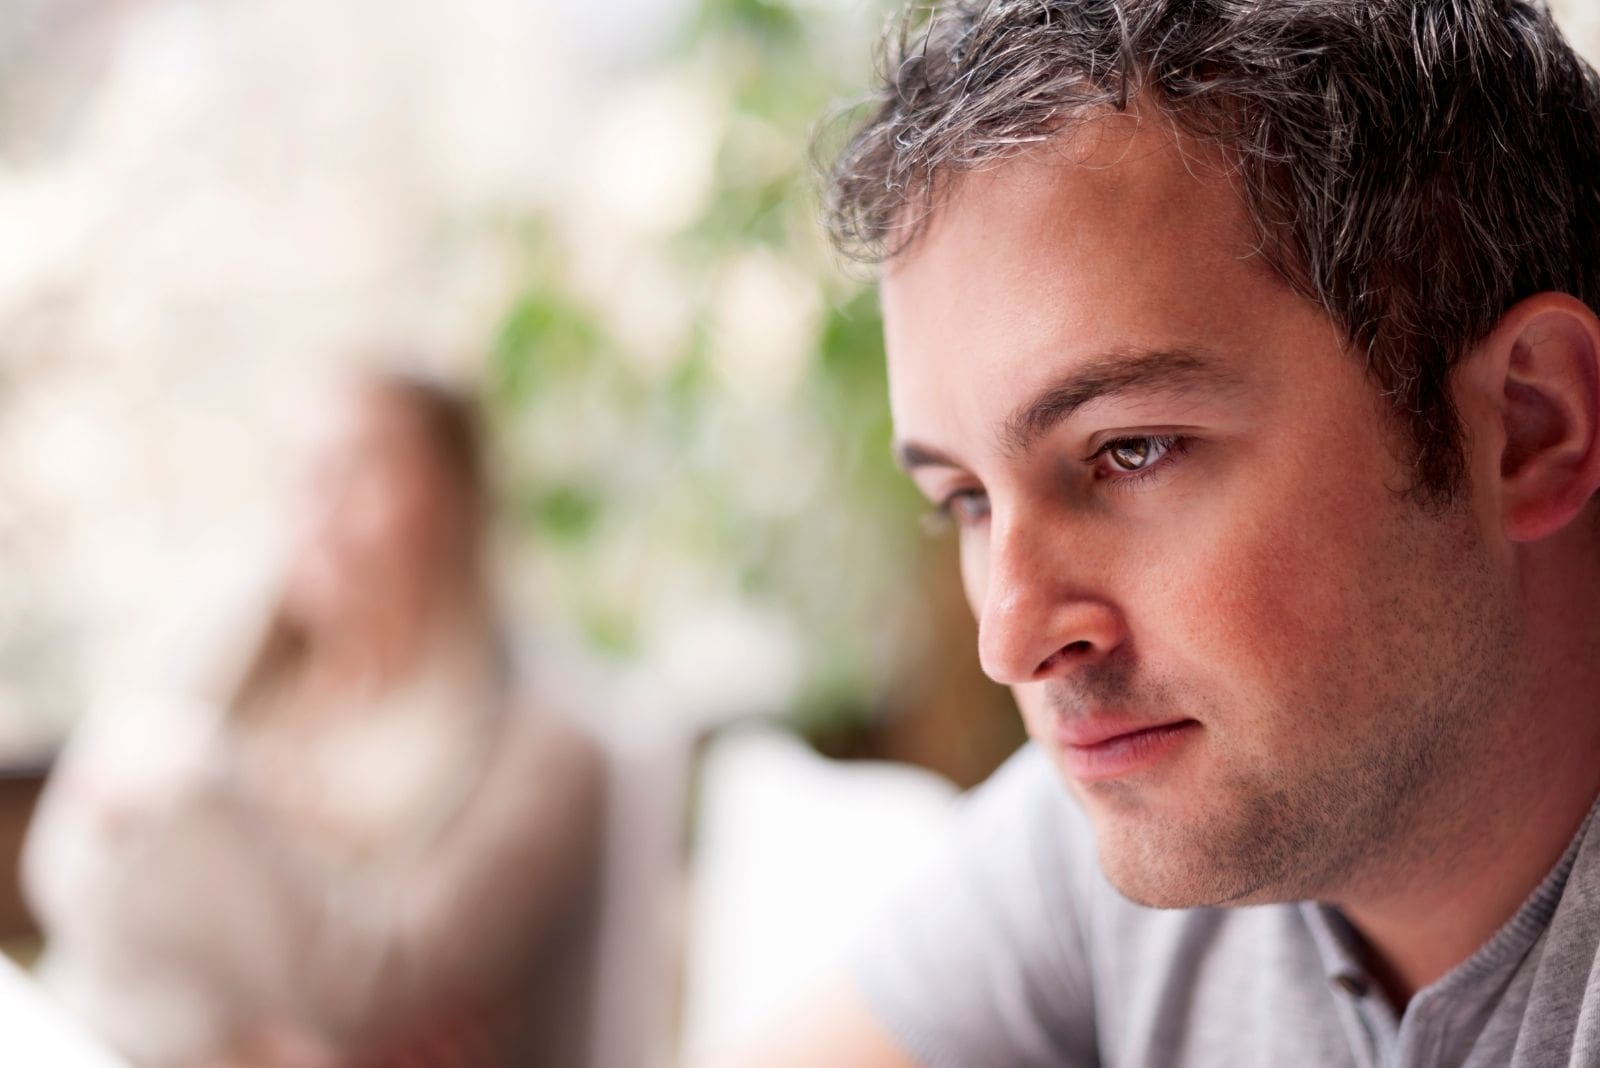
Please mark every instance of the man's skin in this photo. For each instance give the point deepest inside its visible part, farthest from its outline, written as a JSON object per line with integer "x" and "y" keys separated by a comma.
{"x": 1181, "y": 501}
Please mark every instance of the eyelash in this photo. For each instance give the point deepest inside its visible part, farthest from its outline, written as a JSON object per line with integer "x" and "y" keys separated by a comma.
{"x": 1172, "y": 446}
{"x": 942, "y": 515}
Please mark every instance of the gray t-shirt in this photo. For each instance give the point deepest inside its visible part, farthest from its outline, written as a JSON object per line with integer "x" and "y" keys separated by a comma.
{"x": 1016, "y": 953}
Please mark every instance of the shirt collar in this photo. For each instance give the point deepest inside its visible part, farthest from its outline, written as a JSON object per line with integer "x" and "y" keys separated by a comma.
{"x": 1339, "y": 946}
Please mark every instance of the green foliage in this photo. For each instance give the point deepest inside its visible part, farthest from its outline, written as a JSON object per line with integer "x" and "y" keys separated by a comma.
{"x": 561, "y": 514}
{"x": 544, "y": 339}
{"x": 721, "y": 462}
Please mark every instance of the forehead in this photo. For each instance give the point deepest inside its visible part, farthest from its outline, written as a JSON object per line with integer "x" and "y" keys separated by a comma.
{"x": 1124, "y": 237}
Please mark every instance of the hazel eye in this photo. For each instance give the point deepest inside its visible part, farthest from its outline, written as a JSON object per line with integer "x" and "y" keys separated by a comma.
{"x": 1136, "y": 454}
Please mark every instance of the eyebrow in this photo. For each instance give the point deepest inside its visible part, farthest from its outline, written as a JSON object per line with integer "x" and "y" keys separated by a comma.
{"x": 1110, "y": 374}
{"x": 910, "y": 456}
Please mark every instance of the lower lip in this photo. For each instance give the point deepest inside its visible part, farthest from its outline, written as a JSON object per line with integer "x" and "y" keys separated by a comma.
{"x": 1126, "y": 753}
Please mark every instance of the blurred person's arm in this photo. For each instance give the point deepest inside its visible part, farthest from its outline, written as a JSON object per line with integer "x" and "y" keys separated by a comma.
{"x": 105, "y": 870}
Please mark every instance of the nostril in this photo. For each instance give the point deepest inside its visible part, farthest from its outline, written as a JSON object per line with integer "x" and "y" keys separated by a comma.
{"x": 1066, "y": 652}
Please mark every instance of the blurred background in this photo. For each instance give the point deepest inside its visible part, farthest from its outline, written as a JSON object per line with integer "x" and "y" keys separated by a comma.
{"x": 598, "y": 220}
{"x": 601, "y": 219}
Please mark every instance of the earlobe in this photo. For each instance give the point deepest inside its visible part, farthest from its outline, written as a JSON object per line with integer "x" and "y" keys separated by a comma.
{"x": 1549, "y": 407}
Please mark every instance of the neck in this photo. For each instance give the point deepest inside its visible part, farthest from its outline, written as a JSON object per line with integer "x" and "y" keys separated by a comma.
{"x": 1421, "y": 929}
{"x": 1505, "y": 829}
{"x": 350, "y": 662}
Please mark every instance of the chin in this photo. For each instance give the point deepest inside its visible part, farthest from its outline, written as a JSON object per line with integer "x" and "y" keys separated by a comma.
{"x": 1153, "y": 890}
{"x": 1178, "y": 868}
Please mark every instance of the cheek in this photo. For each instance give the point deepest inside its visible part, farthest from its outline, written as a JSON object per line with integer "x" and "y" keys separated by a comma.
{"x": 1275, "y": 588}
{"x": 367, "y": 524}
{"x": 1034, "y": 708}
{"x": 1260, "y": 612}
{"x": 392, "y": 515}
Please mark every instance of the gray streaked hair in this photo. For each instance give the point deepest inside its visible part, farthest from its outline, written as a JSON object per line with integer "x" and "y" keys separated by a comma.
{"x": 1414, "y": 167}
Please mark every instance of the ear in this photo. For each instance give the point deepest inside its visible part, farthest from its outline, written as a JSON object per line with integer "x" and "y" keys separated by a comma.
{"x": 1538, "y": 378}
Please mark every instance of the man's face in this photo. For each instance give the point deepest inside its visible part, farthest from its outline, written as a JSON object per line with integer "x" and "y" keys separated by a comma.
{"x": 1264, "y": 671}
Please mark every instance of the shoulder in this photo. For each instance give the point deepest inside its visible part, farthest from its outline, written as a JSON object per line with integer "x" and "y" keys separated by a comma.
{"x": 542, "y": 759}
{"x": 1567, "y": 987}
{"x": 534, "y": 732}
{"x": 982, "y": 959}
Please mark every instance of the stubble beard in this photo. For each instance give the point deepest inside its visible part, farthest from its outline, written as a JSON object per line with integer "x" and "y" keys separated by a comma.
{"x": 1386, "y": 798}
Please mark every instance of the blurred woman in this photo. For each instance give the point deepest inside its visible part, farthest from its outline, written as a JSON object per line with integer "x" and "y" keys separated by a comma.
{"x": 357, "y": 844}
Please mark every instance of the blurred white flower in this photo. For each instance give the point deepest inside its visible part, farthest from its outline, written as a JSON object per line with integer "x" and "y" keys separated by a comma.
{"x": 44, "y": 223}
{"x": 646, "y": 164}
{"x": 764, "y": 324}
{"x": 649, "y": 309}
{"x": 779, "y": 470}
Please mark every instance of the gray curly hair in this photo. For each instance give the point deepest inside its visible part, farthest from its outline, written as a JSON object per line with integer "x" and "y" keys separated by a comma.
{"x": 1415, "y": 167}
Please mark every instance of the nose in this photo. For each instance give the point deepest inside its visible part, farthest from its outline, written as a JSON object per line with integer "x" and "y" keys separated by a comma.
{"x": 1037, "y": 618}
